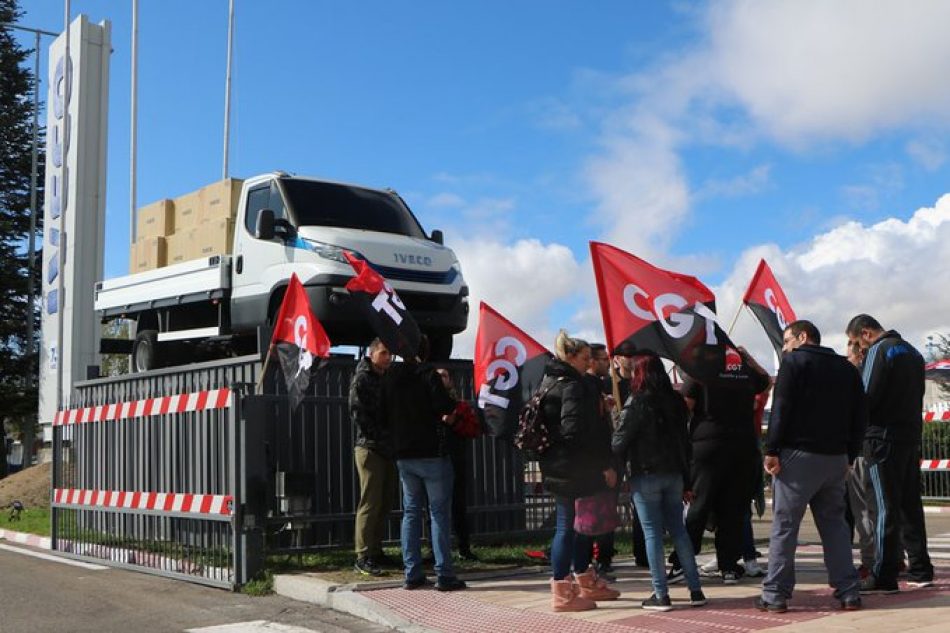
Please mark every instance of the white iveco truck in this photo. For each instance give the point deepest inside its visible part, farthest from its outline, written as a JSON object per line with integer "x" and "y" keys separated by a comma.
{"x": 283, "y": 225}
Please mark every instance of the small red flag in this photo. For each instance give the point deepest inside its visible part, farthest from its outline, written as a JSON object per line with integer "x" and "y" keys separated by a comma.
{"x": 299, "y": 338}
{"x": 769, "y": 304}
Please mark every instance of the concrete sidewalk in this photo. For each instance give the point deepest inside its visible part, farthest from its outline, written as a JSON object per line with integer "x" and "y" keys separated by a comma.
{"x": 523, "y": 603}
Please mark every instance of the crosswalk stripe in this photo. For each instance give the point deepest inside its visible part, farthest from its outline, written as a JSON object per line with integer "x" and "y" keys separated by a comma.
{"x": 255, "y": 626}
{"x": 51, "y": 557}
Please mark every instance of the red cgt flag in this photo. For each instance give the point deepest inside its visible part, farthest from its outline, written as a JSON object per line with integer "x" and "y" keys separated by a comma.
{"x": 769, "y": 304}
{"x": 672, "y": 314}
{"x": 299, "y": 338}
{"x": 385, "y": 311}
{"x": 509, "y": 366}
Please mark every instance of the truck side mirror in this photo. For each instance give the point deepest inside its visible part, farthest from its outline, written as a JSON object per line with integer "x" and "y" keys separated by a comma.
{"x": 284, "y": 229}
{"x": 437, "y": 236}
{"x": 264, "y": 228}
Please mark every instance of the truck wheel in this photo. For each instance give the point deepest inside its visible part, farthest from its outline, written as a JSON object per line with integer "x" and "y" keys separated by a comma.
{"x": 145, "y": 351}
{"x": 440, "y": 346}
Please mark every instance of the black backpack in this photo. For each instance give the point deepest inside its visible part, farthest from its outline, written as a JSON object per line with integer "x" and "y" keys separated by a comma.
{"x": 532, "y": 434}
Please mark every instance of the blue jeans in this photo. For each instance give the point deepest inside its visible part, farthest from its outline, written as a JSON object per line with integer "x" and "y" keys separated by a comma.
{"x": 659, "y": 502}
{"x": 568, "y": 549}
{"x": 430, "y": 477}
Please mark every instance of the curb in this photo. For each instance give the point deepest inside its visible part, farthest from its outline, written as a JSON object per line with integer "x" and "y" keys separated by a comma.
{"x": 346, "y": 598}
{"x": 24, "y": 538}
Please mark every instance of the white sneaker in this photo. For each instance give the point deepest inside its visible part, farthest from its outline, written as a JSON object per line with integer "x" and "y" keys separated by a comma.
{"x": 753, "y": 569}
{"x": 710, "y": 569}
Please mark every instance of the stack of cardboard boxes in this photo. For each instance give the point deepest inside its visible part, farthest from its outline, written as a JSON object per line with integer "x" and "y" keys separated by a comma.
{"x": 192, "y": 226}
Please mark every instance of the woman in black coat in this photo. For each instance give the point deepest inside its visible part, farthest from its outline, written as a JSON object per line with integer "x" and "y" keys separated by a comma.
{"x": 575, "y": 464}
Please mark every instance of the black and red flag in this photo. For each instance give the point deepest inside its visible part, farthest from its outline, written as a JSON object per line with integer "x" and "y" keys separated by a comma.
{"x": 509, "y": 366}
{"x": 299, "y": 338}
{"x": 385, "y": 311}
{"x": 674, "y": 315}
{"x": 769, "y": 304}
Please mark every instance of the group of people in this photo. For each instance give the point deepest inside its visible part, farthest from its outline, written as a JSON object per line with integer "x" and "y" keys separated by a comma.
{"x": 843, "y": 438}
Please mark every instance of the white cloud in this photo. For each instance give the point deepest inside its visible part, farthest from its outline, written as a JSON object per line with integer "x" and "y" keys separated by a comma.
{"x": 742, "y": 185}
{"x": 445, "y": 200}
{"x": 894, "y": 270}
{"x": 523, "y": 280}
{"x": 813, "y": 69}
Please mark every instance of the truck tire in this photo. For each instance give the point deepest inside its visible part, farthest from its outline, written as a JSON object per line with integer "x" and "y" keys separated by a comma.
{"x": 440, "y": 346}
{"x": 145, "y": 351}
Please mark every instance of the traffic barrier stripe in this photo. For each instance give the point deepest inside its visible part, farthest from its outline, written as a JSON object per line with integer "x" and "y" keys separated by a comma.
{"x": 935, "y": 464}
{"x": 178, "y": 403}
{"x": 180, "y": 502}
{"x": 934, "y": 416}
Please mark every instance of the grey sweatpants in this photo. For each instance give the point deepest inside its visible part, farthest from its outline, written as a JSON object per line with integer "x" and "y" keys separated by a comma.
{"x": 809, "y": 479}
{"x": 863, "y": 509}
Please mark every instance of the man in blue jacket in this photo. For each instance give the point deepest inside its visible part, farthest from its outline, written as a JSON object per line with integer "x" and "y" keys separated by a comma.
{"x": 819, "y": 413}
{"x": 894, "y": 381}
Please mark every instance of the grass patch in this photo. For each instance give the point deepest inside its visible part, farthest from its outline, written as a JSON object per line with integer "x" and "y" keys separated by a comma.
{"x": 263, "y": 585}
{"x": 32, "y": 521}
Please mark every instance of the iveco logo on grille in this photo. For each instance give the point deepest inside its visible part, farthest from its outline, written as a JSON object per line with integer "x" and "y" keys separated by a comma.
{"x": 418, "y": 260}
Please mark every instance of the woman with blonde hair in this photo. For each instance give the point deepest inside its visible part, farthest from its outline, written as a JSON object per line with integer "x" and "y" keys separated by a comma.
{"x": 573, "y": 466}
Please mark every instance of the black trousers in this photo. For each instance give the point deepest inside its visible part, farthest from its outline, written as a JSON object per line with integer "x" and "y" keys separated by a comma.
{"x": 895, "y": 482}
{"x": 459, "y": 459}
{"x": 723, "y": 485}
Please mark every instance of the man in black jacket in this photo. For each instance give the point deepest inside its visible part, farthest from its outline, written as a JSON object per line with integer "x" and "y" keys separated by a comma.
{"x": 373, "y": 455}
{"x": 894, "y": 381}
{"x": 419, "y": 409}
{"x": 819, "y": 413}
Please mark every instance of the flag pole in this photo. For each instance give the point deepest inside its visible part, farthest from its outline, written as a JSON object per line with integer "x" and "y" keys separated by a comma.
{"x": 735, "y": 318}
{"x": 260, "y": 379}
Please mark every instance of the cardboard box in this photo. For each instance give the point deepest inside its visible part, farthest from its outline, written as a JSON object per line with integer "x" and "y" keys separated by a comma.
{"x": 156, "y": 220}
{"x": 187, "y": 211}
{"x": 212, "y": 237}
{"x": 147, "y": 254}
{"x": 179, "y": 247}
{"x": 220, "y": 199}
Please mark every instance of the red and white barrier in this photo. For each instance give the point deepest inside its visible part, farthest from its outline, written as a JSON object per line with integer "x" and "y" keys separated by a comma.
{"x": 936, "y": 416}
{"x": 178, "y": 502}
{"x": 935, "y": 464}
{"x": 179, "y": 403}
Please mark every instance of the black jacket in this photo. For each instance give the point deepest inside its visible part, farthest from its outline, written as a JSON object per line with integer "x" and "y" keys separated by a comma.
{"x": 894, "y": 380}
{"x": 818, "y": 404}
{"x": 653, "y": 437}
{"x": 371, "y": 431}
{"x": 574, "y": 464}
{"x": 414, "y": 399}
{"x": 724, "y": 413}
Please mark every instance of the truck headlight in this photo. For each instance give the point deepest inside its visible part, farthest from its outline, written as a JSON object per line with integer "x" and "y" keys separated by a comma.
{"x": 328, "y": 251}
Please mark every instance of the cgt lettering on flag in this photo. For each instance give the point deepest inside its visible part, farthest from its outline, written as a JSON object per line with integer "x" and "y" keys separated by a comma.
{"x": 509, "y": 366}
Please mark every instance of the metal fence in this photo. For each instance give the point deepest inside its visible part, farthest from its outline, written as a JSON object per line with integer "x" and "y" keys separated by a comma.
{"x": 935, "y": 447}
{"x": 183, "y": 473}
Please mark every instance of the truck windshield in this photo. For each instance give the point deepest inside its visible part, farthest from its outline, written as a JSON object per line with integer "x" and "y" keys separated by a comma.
{"x": 330, "y": 204}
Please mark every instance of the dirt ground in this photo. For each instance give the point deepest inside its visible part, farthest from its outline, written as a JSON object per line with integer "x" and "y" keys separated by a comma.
{"x": 30, "y": 486}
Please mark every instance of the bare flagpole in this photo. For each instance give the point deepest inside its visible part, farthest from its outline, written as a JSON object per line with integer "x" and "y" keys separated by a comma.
{"x": 133, "y": 128}
{"x": 227, "y": 90}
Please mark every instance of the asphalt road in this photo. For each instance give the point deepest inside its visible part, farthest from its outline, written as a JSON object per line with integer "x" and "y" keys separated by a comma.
{"x": 40, "y": 596}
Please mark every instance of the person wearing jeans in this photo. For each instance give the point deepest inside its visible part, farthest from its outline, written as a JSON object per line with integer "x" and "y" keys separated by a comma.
{"x": 419, "y": 410}
{"x": 426, "y": 478}
{"x": 652, "y": 438}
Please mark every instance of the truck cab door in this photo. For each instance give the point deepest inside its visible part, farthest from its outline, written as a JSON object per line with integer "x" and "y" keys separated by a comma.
{"x": 257, "y": 262}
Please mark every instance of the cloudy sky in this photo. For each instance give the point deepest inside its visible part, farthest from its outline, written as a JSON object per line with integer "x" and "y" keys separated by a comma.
{"x": 699, "y": 136}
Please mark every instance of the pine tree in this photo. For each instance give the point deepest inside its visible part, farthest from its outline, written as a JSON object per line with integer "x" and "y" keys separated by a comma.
{"x": 18, "y": 357}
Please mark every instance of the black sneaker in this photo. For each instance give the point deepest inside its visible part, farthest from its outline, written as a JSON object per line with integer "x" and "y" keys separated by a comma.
{"x": 771, "y": 607}
{"x": 657, "y": 604}
{"x": 873, "y": 585}
{"x": 851, "y": 604}
{"x": 676, "y": 575}
{"x": 449, "y": 583}
{"x": 730, "y": 578}
{"x": 697, "y": 598}
{"x": 920, "y": 584}
{"x": 605, "y": 567}
{"x": 367, "y": 567}
{"x": 467, "y": 554}
{"x": 415, "y": 583}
